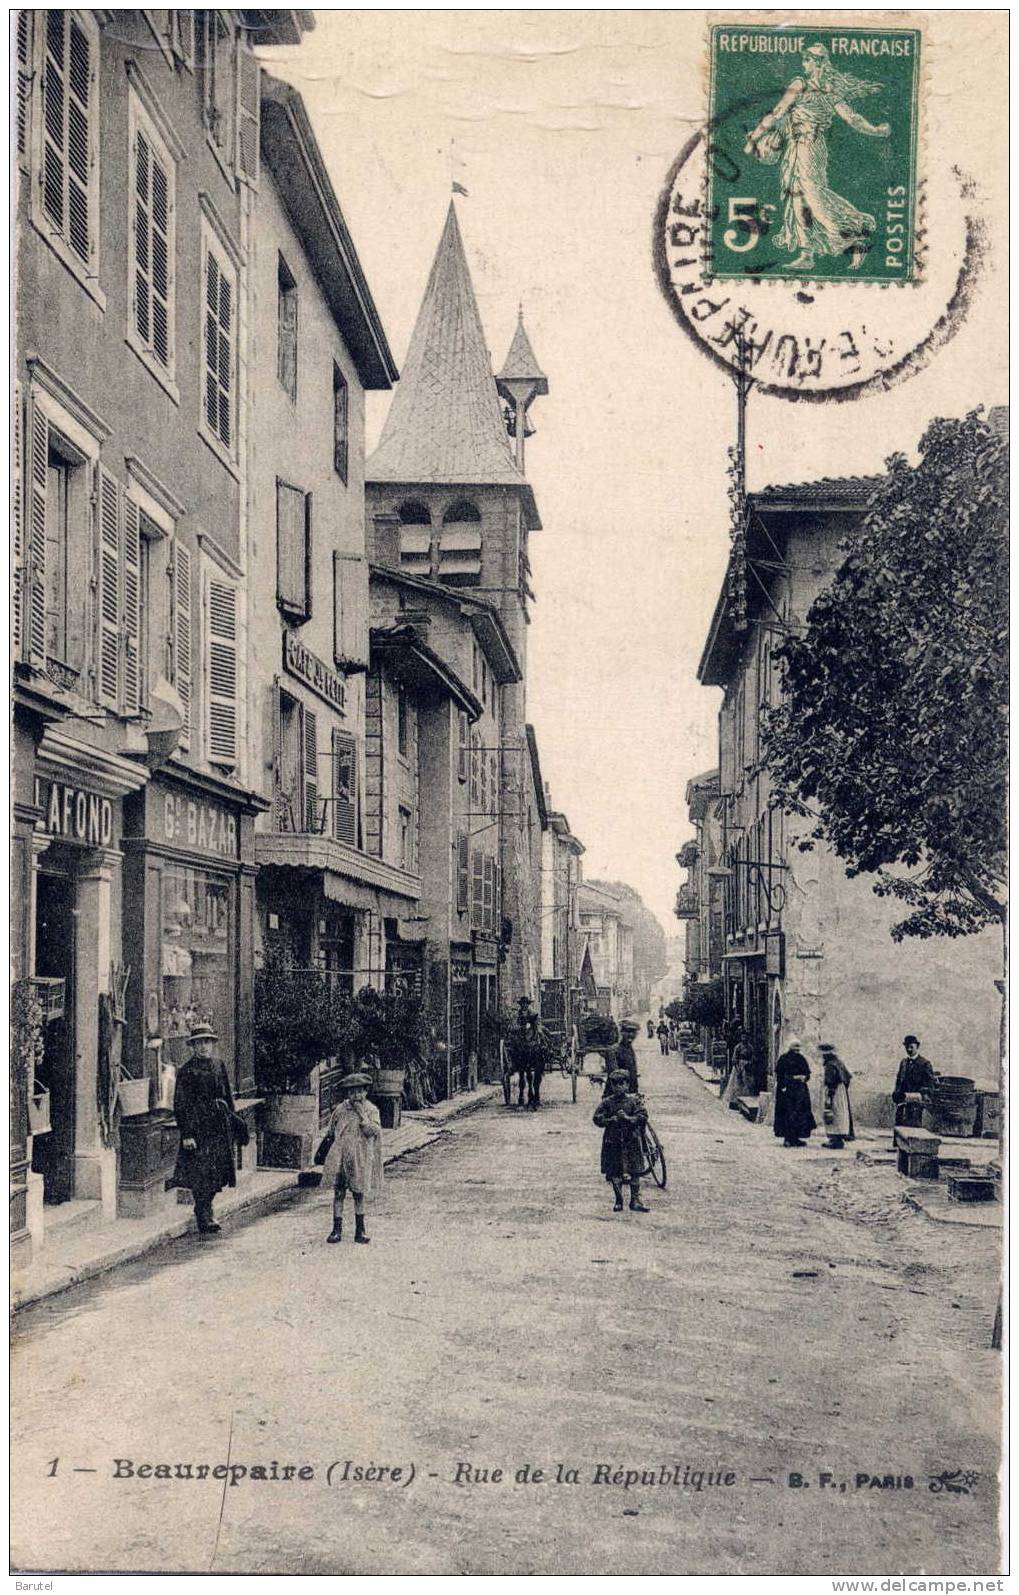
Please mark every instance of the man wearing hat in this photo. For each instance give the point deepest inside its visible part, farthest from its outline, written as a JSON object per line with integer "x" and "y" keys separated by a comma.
{"x": 915, "y": 1078}
{"x": 203, "y": 1105}
{"x": 351, "y": 1153}
{"x": 626, "y": 1058}
{"x": 620, "y": 1115}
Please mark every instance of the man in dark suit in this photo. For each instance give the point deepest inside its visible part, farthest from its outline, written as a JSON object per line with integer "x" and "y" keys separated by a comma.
{"x": 915, "y": 1078}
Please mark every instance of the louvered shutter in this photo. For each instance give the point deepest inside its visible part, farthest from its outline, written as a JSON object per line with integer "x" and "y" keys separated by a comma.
{"x": 477, "y": 889}
{"x": 248, "y": 88}
{"x": 24, "y": 47}
{"x": 161, "y": 259}
{"x": 462, "y": 872}
{"x": 345, "y": 788}
{"x": 310, "y": 770}
{"x": 35, "y": 587}
{"x": 463, "y": 745}
{"x": 475, "y": 757}
{"x": 17, "y": 525}
{"x": 221, "y": 684}
{"x": 79, "y": 141}
{"x": 132, "y": 607}
{"x": 488, "y": 888}
{"x": 181, "y": 594}
{"x": 218, "y": 350}
{"x": 108, "y": 606}
{"x": 493, "y": 773}
{"x": 52, "y": 175}
{"x": 482, "y": 780}
{"x": 350, "y": 614}
{"x": 142, "y": 238}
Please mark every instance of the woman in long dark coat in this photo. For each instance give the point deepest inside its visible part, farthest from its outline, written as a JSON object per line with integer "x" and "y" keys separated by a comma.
{"x": 620, "y": 1114}
{"x": 794, "y": 1117}
{"x": 203, "y": 1105}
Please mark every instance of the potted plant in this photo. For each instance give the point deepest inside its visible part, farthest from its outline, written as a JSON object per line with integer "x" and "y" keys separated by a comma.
{"x": 301, "y": 1017}
{"x": 27, "y": 1045}
{"x": 386, "y": 1036}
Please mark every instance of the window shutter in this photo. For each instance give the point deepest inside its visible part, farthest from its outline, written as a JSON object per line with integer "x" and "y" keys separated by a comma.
{"x": 483, "y": 780}
{"x": 463, "y": 745}
{"x": 475, "y": 756}
{"x": 24, "y": 76}
{"x": 35, "y": 586}
{"x": 17, "y": 523}
{"x": 488, "y": 908}
{"x": 477, "y": 889}
{"x": 345, "y": 788}
{"x": 109, "y": 600}
{"x": 311, "y": 822}
{"x": 350, "y": 614}
{"x": 218, "y": 351}
{"x": 132, "y": 573}
{"x": 161, "y": 260}
{"x": 52, "y": 175}
{"x": 493, "y": 786}
{"x": 726, "y": 750}
{"x": 248, "y": 88}
{"x": 221, "y": 683}
{"x": 181, "y": 595}
{"x": 80, "y": 135}
{"x": 462, "y": 872}
{"x": 142, "y": 239}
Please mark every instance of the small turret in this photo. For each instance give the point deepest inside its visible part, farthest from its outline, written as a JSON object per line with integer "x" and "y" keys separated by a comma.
{"x": 520, "y": 382}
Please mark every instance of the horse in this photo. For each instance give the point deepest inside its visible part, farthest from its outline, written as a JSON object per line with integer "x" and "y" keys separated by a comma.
{"x": 523, "y": 1055}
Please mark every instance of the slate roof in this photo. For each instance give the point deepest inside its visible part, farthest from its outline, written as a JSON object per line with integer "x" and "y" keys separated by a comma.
{"x": 521, "y": 362}
{"x": 445, "y": 423}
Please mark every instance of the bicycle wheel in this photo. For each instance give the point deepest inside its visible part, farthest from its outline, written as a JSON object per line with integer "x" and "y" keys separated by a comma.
{"x": 655, "y": 1157}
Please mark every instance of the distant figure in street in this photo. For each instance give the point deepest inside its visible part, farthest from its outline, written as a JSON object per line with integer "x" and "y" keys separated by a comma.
{"x": 673, "y": 1036}
{"x": 626, "y": 1058}
{"x": 838, "y": 1112}
{"x": 915, "y": 1078}
{"x": 740, "y": 1082}
{"x": 663, "y": 1037}
{"x": 203, "y": 1106}
{"x": 351, "y": 1154}
{"x": 794, "y": 1117}
{"x": 620, "y": 1115}
{"x": 651, "y": 1030}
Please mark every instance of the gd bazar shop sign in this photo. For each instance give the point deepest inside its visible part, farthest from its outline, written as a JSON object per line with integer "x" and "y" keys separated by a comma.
{"x": 74, "y": 813}
{"x": 201, "y": 827}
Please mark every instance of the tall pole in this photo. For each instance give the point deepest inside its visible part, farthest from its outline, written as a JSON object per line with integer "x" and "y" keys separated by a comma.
{"x": 738, "y": 517}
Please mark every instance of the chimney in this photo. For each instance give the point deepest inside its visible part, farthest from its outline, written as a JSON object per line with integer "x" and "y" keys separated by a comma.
{"x": 384, "y": 540}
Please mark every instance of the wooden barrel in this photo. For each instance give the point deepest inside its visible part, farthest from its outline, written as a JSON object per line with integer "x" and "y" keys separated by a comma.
{"x": 389, "y": 1082}
{"x": 954, "y": 1105}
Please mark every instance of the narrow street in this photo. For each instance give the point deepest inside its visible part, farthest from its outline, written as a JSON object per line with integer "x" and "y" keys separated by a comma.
{"x": 768, "y": 1317}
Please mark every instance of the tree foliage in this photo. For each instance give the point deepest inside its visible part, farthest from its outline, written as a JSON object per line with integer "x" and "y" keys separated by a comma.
{"x": 892, "y": 737}
{"x": 703, "y": 1003}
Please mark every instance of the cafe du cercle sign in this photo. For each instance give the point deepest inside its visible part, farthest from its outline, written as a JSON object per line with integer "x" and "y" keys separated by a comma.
{"x": 309, "y": 668}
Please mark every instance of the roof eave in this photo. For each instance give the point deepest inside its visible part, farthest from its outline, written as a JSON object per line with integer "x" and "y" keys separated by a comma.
{"x": 539, "y": 785}
{"x": 405, "y": 641}
{"x": 292, "y": 153}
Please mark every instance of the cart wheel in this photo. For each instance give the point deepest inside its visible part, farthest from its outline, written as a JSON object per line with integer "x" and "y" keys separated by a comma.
{"x": 655, "y": 1157}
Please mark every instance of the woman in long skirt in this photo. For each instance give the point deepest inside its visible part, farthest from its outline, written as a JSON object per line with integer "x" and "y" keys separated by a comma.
{"x": 794, "y": 1117}
{"x": 838, "y": 1112}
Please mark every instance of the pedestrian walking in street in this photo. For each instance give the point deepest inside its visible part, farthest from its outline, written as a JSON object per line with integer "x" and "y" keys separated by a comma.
{"x": 620, "y": 1115}
{"x": 203, "y": 1106}
{"x": 663, "y": 1037}
{"x": 915, "y": 1080}
{"x": 838, "y": 1111}
{"x": 651, "y": 1030}
{"x": 740, "y": 1081}
{"x": 794, "y": 1117}
{"x": 626, "y": 1058}
{"x": 351, "y": 1155}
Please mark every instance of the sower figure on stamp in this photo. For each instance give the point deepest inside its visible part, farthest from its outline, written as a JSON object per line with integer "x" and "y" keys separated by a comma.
{"x": 620, "y": 1115}
{"x": 351, "y": 1152}
{"x": 203, "y": 1106}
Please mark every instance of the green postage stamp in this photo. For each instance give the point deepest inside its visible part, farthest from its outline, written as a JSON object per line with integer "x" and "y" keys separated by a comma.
{"x": 812, "y": 152}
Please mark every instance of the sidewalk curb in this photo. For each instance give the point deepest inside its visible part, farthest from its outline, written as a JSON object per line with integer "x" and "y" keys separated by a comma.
{"x": 961, "y": 1218}
{"x": 250, "y": 1206}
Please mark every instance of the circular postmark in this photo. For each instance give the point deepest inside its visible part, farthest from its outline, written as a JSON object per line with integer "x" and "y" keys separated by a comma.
{"x": 804, "y": 339}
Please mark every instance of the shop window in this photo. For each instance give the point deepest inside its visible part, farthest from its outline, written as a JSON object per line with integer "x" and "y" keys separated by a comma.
{"x": 196, "y": 964}
{"x": 293, "y": 551}
{"x": 286, "y": 327}
{"x": 341, "y": 423}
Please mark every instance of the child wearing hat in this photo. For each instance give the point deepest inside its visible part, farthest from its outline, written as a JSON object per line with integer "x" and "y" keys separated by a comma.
{"x": 351, "y": 1153}
{"x": 620, "y": 1115}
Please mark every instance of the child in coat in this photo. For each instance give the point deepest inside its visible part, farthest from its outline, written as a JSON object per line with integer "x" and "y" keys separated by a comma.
{"x": 352, "y": 1155}
{"x": 621, "y": 1115}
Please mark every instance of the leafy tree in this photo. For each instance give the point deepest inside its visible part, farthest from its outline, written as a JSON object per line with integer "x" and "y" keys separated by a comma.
{"x": 300, "y": 1017}
{"x": 703, "y": 1003}
{"x": 891, "y": 737}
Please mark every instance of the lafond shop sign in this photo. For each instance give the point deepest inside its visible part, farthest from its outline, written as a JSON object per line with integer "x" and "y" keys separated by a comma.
{"x": 74, "y": 813}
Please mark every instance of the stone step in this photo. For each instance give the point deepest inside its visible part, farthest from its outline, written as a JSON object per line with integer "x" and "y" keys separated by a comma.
{"x": 66, "y": 1218}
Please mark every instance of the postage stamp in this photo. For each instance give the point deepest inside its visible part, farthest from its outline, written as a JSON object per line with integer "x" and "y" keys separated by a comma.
{"x": 826, "y": 121}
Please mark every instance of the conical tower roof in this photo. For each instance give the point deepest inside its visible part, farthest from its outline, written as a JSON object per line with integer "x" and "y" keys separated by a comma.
{"x": 521, "y": 364}
{"x": 445, "y": 423}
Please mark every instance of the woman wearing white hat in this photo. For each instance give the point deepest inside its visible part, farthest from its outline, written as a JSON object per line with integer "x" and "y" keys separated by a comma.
{"x": 351, "y": 1153}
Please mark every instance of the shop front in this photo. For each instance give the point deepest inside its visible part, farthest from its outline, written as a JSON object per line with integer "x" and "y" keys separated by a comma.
{"x": 189, "y": 939}
{"x": 75, "y": 970}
